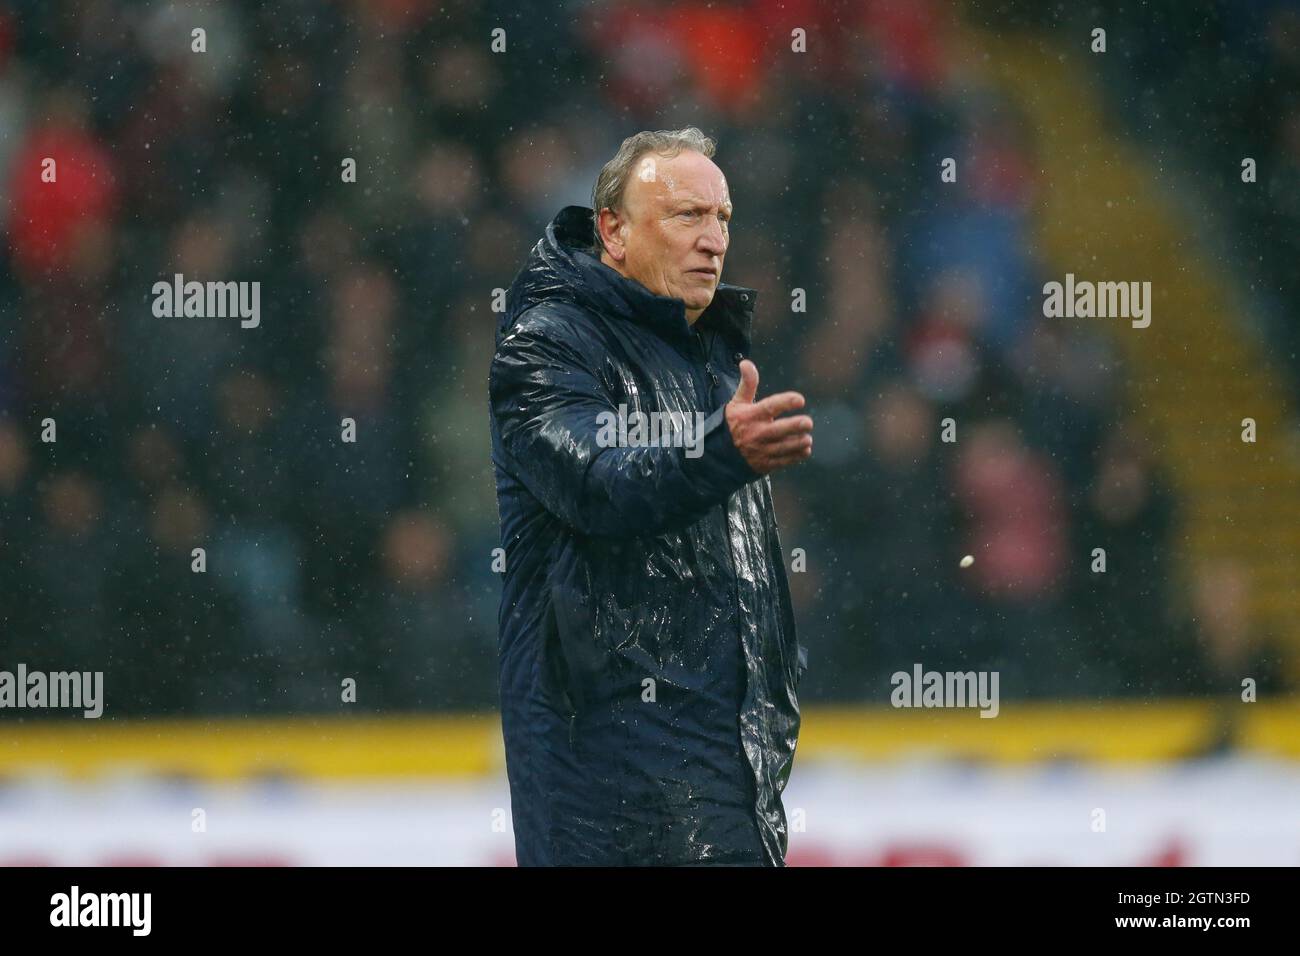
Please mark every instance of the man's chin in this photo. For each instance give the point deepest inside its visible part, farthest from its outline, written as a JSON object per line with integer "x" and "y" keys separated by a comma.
{"x": 699, "y": 301}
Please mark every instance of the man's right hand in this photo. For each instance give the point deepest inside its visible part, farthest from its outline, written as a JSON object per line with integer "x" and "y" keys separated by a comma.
{"x": 766, "y": 440}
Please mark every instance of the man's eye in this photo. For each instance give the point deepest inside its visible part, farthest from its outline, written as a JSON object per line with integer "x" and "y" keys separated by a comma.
{"x": 688, "y": 213}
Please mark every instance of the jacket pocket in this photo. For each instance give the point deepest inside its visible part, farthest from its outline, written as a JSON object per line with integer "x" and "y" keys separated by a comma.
{"x": 552, "y": 682}
{"x": 583, "y": 660}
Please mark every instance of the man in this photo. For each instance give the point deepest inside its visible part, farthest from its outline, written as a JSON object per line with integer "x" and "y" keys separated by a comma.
{"x": 648, "y": 654}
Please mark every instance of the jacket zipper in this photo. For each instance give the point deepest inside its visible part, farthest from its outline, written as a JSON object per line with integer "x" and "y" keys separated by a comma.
{"x": 708, "y": 365}
{"x": 740, "y": 618}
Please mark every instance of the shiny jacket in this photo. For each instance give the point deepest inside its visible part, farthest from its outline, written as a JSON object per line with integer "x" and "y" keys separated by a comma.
{"x": 647, "y": 645}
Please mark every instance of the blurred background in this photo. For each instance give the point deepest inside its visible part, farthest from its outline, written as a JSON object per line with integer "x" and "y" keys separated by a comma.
{"x": 1121, "y": 690}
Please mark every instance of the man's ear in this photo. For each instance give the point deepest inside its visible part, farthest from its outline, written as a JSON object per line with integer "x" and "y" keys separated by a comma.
{"x": 612, "y": 230}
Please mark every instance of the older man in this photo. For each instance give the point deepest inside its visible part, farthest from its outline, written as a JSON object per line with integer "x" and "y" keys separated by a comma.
{"x": 648, "y": 654}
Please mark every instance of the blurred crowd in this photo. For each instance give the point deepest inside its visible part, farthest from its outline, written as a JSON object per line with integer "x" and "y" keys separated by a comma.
{"x": 1209, "y": 120}
{"x": 373, "y": 560}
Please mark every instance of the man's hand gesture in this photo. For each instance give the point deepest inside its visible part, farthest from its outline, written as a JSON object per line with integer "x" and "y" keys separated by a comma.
{"x": 766, "y": 440}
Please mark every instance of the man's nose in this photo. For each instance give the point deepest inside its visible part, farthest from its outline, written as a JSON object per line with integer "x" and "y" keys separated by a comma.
{"x": 713, "y": 240}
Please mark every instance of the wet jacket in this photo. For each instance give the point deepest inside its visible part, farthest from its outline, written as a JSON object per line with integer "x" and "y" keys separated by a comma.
{"x": 647, "y": 644}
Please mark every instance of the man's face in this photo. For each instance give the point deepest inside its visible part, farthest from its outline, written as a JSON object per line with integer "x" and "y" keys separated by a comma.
{"x": 672, "y": 234}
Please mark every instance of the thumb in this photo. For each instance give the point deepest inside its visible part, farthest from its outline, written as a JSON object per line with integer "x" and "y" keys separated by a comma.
{"x": 748, "y": 386}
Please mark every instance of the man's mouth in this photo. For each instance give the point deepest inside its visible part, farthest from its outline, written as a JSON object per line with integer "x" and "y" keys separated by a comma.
{"x": 707, "y": 270}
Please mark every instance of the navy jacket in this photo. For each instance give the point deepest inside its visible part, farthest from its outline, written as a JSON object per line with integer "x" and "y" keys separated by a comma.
{"x": 647, "y": 644}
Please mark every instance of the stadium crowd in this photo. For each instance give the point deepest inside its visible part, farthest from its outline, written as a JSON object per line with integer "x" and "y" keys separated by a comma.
{"x": 373, "y": 559}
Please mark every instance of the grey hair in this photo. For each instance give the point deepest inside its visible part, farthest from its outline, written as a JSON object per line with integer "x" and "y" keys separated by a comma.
{"x": 611, "y": 184}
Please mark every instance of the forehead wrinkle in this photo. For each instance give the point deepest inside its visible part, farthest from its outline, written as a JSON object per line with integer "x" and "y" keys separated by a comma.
{"x": 707, "y": 193}
{"x": 696, "y": 200}
{"x": 666, "y": 190}
{"x": 712, "y": 196}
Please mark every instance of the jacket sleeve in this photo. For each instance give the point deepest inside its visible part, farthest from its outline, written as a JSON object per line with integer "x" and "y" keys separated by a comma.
{"x": 546, "y": 402}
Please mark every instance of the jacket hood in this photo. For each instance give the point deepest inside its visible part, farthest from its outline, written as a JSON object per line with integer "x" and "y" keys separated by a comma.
{"x": 562, "y": 268}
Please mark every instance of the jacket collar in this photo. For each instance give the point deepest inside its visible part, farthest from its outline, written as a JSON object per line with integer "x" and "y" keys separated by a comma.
{"x": 730, "y": 313}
